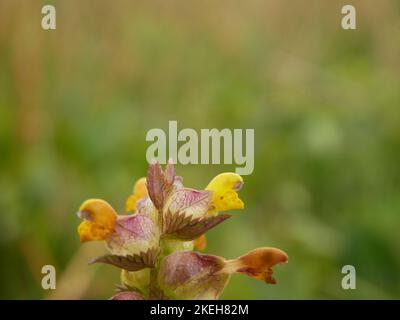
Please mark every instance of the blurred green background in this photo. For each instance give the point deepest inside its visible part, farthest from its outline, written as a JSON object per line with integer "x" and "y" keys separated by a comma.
{"x": 76, "y": 104}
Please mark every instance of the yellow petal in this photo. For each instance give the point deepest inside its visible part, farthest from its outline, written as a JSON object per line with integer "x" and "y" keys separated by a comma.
{"x": 139, "y": 192}
{"x": 99, "y": 220}
{"x": 89, "y": 231}
{"x": 200, "y": 243}
{"x": 130, "y": 204}
{"x": 225, "y": 197}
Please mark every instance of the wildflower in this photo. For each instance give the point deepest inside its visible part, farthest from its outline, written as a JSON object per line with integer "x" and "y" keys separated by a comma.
{"x": 139, "y": 192}
{"x": 99, "y": 220}
{"x": 225, "y": 187}
{"x": 153, "y": 244}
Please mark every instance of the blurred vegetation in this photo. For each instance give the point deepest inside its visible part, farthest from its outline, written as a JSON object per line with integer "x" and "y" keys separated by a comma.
{"x": 76, "y": 103}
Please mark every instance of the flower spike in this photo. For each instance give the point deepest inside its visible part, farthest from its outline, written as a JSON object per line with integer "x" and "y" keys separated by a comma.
{"x": 153, "y": 245}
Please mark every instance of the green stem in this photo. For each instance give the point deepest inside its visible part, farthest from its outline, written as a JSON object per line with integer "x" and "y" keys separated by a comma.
{"x": 155, "y": 292}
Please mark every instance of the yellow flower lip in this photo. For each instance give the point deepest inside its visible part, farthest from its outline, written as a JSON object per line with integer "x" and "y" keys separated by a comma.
{"x": 225, "y": 187}
{"x": 98, "y": 220}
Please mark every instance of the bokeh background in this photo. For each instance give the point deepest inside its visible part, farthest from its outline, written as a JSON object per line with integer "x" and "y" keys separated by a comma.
{"x": 76, "y": 104}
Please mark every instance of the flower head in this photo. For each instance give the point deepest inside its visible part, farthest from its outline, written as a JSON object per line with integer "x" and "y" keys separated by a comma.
{"x": 224, "y": 187}
{"x": 99, "y": 220}
{"x": 153, "y": 244}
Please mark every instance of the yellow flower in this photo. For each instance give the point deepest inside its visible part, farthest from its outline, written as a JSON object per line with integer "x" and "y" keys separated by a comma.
{"x": 139, "y": 192}
{"x": 200, "y": 243}
{"x": 225, "y": 197}
{"x": 99, "y": 220}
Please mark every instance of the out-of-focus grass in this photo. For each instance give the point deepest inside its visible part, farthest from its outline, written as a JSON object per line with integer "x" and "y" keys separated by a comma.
{"x": 76, "y": 103}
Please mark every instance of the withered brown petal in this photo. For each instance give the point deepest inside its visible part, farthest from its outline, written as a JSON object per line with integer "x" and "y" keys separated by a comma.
{"x": 258, "y": 263}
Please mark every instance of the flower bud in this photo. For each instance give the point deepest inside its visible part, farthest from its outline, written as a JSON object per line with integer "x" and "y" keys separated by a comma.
{"x": 171, "y": 245}
{"x": 132, "y": 235}
{"x": 188, "y": 202}
{"x": 136, "y": 279}
{"x": 127, "y": 295}
{"x": 191, "y": 275}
